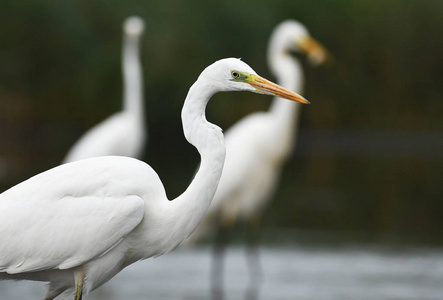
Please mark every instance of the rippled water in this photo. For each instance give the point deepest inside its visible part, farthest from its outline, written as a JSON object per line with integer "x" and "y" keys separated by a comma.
{"x": 314, "y": 272}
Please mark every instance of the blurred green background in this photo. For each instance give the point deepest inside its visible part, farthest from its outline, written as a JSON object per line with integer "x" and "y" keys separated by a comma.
{"x": 369, "y": 158}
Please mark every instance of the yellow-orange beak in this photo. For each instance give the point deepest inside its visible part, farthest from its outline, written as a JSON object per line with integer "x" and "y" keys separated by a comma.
{"x": 315, "y": 51}
{"x": 267, "y": 87}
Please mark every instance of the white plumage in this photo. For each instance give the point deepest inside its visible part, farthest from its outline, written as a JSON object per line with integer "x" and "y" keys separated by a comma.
{"x": 123, "y": 133}
{"x": 79, "y": 224}
{"x": 258, "y": 145}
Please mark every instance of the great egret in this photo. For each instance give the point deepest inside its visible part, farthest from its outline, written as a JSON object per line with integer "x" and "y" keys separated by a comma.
{"x": 124, "y": 132}
{"x": 257, "y": 147}
{"x": 79, "y": 224}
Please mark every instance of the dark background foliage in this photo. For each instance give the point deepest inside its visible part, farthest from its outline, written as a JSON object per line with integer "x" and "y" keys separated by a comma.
{"x": 370, "y": 153}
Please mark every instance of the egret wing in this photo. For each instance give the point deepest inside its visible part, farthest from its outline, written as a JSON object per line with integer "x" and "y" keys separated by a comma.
{"x": 46, "y": 222}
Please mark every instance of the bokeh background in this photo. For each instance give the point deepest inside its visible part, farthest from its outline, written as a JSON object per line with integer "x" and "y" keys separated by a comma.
{"x": 367, "y": 169}
{"x": 369, "y": 159}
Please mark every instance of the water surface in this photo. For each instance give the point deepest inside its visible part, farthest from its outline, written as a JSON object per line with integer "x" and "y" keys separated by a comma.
{"x": 290, "y": 272}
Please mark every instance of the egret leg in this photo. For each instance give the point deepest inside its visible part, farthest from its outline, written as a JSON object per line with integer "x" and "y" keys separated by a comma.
{"x": 218, "y": 252}
{"x": 79, "y": 278}
{"x": 253, "y": 258}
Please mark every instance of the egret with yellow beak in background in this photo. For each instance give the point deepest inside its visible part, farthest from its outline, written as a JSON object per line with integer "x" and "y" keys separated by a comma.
{"x": 257, "y": 146}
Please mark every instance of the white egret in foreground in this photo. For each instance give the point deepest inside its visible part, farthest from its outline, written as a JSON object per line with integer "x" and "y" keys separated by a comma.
{"x": 256, "y": 149}
{"x": 124, "y": 132}
{"x": 77, "y": 225}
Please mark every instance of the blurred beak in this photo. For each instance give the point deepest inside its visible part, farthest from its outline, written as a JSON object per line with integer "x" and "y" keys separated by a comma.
{"x": 267, "y": 87}
{"x": 315, "y": 51}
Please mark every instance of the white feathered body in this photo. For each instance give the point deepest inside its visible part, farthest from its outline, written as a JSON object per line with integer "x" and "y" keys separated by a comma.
{"x": 52, "y": 221}
{"x": 255, "y": 152}
{"x": 121, "y": 134}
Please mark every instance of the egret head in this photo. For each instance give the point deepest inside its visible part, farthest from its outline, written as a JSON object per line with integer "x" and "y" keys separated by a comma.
{"x": 134, "y": 26}
{"x": 291, "y": 36}
{"x": 232, "y": 74}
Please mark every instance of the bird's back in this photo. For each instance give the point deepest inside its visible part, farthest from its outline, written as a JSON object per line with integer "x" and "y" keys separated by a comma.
{"x": 74, "y": 213}
{"x": 120, "y": 134}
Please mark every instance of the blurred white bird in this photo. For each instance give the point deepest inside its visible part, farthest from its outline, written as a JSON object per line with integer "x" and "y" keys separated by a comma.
{"x": 257, "y": 147}
{"x": 123, "y": 133}
{"x": 79, "y": 224}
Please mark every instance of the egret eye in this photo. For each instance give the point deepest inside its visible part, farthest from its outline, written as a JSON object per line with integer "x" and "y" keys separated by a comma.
{"x": 235, "y": 74}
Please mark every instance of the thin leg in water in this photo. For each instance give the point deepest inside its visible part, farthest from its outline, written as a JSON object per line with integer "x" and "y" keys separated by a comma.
{"x": 218, "y": 252}
{"x": 253, "y": 258}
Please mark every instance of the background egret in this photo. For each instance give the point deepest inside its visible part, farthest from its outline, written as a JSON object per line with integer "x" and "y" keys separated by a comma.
{"x": 79, "y": 224}
{"x": 124, "y": 132}
{"x": 256, "y": 149}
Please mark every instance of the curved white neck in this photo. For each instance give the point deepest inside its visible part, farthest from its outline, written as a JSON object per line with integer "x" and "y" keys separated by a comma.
{"x": 132, "y": 77}
{"x": 189, "y": 208}
{"x": 289, "y": 74}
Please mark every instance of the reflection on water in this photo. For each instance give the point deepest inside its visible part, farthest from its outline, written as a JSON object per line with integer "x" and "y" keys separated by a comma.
{"x": 296, "y": 272}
